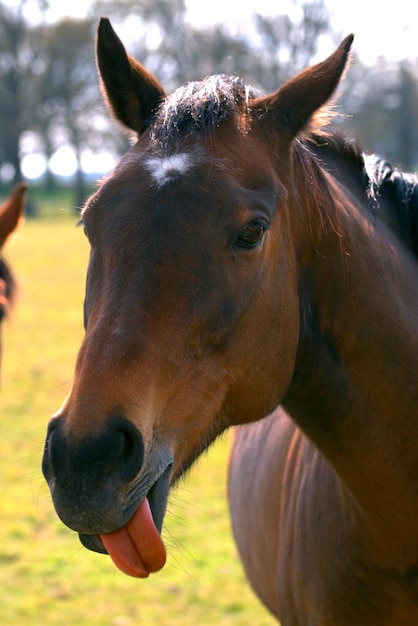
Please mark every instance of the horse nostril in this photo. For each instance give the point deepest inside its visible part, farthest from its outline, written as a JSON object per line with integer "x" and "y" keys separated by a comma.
{"x": 131, "y": 449}
{"x": 117, "y": 453}
{"x": 53, "y": 451}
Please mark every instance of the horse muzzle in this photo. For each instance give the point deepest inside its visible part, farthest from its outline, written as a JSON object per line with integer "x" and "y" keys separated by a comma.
{"x": 98, "y": 482}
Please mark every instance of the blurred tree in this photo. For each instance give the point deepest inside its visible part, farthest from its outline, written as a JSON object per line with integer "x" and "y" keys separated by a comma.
{"x": 160, "y": 41}
{"x": 216, "y": 50}
{"x": 49, "y": 89}
{"x": 15, "y": 62}
{"x": 67, "y": 92}
{"x": 287, "y": 43}
{"x": 175, "y": 51}
{"x": 169, "y": 46}
{"x": 381, "y": 103}
{"x": 407, "y": 119}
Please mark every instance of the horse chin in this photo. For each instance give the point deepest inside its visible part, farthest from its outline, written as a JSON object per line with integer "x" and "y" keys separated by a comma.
{"x": 93, "y": 543}
{"x": 157, "y": 498}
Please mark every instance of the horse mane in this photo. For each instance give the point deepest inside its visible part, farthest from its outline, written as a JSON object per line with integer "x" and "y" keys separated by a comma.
{"x": 402, "y": 187}
{"x": 201, "y": 107}
{"x": 392, "y": 195}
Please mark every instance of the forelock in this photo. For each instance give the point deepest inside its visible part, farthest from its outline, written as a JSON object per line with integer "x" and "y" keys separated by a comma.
{"x": 200, "y": 107}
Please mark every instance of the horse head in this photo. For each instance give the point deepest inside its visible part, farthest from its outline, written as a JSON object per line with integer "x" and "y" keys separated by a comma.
{"x": 191, "y": 307}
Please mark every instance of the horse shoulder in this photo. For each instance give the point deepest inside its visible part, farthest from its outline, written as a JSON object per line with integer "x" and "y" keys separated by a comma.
{"x": 259, "y": 495}
{"x": 288, "y": 533}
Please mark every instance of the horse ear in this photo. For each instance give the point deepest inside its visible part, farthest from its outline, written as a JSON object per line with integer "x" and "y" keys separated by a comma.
{"x": 11, "y": 211}
{"x": 292, "y": 106}
{"x": 132, "y": 93}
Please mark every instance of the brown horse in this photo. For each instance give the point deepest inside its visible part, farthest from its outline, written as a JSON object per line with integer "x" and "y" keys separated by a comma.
{"x": 240, "y": 259}
{"x": 10, "y": 213}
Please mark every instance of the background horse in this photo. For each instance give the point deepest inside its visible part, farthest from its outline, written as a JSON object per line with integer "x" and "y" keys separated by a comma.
{"x": 239, "y": 262}
{"x": 11, "y": 211}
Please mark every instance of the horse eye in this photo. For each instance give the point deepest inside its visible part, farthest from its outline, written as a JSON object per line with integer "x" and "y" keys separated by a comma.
{"x": 251, "y": 235}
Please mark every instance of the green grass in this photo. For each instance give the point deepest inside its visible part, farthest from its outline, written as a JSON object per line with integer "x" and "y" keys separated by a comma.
{"x": 46, "y": 576}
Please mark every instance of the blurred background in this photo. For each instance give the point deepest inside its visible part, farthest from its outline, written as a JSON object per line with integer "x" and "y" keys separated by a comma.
{"x": 54, "y": 129}
{"x": 55, "y": 133}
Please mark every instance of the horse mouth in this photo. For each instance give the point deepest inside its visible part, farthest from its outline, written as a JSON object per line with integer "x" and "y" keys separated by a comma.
{"x": 93, "y": 543}
{"x": 157, "y": 497}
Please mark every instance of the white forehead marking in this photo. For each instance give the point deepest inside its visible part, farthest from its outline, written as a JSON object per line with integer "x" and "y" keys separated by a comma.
{"x": 162, "y": 169}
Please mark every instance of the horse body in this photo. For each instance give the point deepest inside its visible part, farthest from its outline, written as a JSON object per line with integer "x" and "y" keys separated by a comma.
{"x": 237, "y": 265}
{"x": 310, "y": 552}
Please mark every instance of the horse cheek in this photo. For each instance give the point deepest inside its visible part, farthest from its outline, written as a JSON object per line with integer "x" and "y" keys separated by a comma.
{"x": 264, "y": 376}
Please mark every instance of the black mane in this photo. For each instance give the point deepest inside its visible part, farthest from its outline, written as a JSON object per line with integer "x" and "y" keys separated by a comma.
{"x": 401, "y": 191}
{"x": 392, "y": 195}
{"x": 200, "y": 107}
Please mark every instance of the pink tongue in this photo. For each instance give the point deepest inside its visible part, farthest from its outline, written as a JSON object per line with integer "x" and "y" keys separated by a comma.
{"x": 137, "y": 548}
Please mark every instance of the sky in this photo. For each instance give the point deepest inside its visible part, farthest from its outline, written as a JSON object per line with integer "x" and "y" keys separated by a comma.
{"x": 378, "y": 30}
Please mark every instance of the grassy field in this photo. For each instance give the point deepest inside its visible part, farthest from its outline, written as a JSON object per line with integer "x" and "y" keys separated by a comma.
{"x": 46, "y": 576}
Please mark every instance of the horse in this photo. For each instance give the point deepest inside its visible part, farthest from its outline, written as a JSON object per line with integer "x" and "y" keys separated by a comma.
{"x": 11, "y": 212}
{"x": 243, "y": 259}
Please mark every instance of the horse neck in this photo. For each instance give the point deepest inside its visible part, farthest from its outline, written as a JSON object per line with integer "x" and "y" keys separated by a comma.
{"x": 354, "y": 387}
